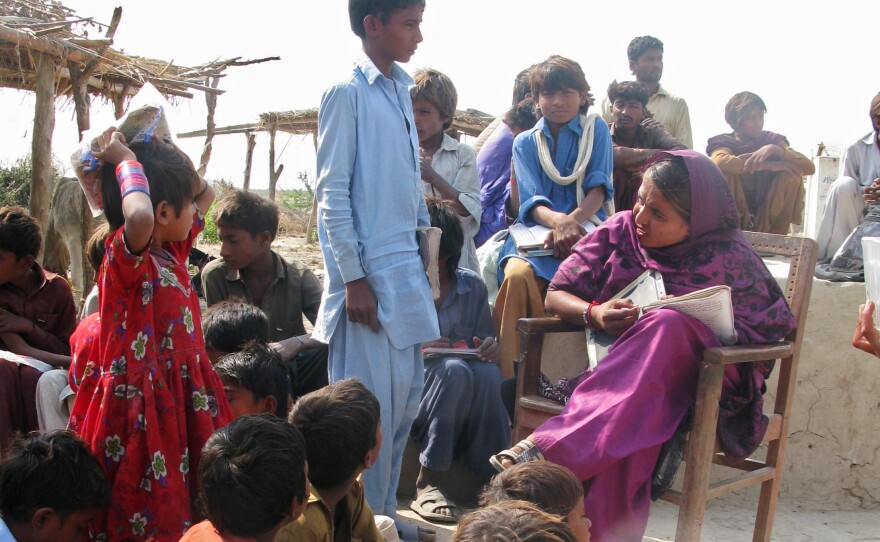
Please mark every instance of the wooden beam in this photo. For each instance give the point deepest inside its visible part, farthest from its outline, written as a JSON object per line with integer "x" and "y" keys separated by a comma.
{"x": 211, "y": 102}
{"x": 234, "y": 129}
{"x": 249, "y": 159}
{"x": 41, "y": 145}
{"x": 49, "y": 47}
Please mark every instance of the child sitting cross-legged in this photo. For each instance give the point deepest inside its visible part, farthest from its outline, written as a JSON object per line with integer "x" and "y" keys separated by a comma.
{"x": 50, "y": 488}
{"x": 551, "y": 487}
{"x": 340, "y": 424}
{"x": 255, "y": 381}
{"x": 252, "y": 481}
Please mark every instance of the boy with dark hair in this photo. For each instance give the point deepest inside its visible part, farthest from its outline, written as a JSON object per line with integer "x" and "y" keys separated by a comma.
{"x": 50, "y": 489}
{"x": 461, "y": 413}
{"x": 449, "y": 169}
{"x": 341, "y": 427}
{"x": 563, "y": 171}
{"x": 230, "y": 325}
{"x": 634, "y": 142}
{"x": 377, "y": 306}
{"x": 255, "y": 381}
{"x": 37, "y": 317}
{"x": 252, "y": 480}
{"x": 249, "y": 270}
{"x": 645, "y": 54}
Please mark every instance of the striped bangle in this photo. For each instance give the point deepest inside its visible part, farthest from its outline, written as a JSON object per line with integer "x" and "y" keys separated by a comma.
{"x": 131, "y": 178}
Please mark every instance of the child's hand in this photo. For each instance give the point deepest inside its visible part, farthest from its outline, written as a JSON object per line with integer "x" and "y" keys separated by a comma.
{"x": 113, "y": 147}
{"x": 360, "y": 304}
{"x": 489, "y": 351}
{"x": 425, "y": 161}
{"x": 15, "y": 324}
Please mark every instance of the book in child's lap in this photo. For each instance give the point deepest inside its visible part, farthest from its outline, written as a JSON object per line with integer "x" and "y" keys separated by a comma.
{"x": 712, "y": 306}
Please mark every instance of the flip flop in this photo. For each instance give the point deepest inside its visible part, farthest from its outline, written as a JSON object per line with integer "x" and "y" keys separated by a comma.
{"x": 427, "y": 504}
{"x": 529, "y": 451}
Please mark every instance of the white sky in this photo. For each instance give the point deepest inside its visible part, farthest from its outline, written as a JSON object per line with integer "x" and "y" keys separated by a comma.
{"x": 802, "y": 58}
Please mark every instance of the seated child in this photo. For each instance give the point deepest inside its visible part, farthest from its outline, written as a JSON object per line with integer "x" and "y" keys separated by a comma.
{"x": 255, "y": 381}
{"x": 231, "y": 325}
{"x": 551, "y": 487}
{"x": 252, "y": 480}
{"x": 563, "y": 174}
{"x": 513, "y": 520}
{"x": 340, "y": 424}
{"x": 50, "y": 489}
{"x": 95, "y": 254}
{"x": 461, "y": 413}
{"x": 449, "y": 168}
{"x": 248, "y": 269}
{"x": 764, "y": 173}
{"x": 37, "y": 316}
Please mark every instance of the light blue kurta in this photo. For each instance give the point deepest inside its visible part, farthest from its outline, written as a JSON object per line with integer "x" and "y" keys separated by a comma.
{"x": 536, "y": 188}
{"x": 370, "y": 201}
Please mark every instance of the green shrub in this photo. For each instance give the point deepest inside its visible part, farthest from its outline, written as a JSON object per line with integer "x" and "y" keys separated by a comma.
{"x": 15, "y": 182}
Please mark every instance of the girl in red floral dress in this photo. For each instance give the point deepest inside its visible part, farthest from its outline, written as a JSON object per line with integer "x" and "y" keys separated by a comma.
{"x": 158, "y": 399}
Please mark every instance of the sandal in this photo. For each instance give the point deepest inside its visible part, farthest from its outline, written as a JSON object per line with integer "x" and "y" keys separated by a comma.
{"x": 529, "y": 452}
{"x": 428, "y": 503}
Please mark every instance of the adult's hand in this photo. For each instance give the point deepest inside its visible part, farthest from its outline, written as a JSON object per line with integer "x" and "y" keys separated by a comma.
{"x": 360, "y": 303}
{"x": 763, "y": 155}
{"x": 488, "y": 350}
{"x": 614, "y": 316}
{"x": 872, "y": 191}
{"x": 866, "y": 336}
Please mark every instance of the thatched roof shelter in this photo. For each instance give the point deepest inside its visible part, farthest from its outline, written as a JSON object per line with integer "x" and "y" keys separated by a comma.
{"x": 47, "y": 48}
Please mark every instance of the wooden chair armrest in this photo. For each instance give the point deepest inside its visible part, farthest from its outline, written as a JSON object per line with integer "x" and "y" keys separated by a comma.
{"x": 550, "y": 324}
{"x": 726, "y": 355}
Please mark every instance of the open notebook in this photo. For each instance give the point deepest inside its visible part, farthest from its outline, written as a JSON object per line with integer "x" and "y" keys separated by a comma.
{"x": 712, "y": 306}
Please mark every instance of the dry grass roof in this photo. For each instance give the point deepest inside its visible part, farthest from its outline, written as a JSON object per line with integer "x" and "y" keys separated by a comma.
{"x": 30, "y": 27}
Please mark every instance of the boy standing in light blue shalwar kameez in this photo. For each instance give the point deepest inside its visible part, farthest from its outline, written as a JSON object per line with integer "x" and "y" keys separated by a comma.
{"x": 377, "y": 306}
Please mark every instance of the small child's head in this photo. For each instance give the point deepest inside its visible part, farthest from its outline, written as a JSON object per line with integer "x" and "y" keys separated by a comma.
{"x": 340, "y": 424}
{"x": 434, "y": 101}
{"x": 51, "y": 487}
{"x": 230, "y": 325}
{"x": 170, "y": 173}
{"x": 560, "y": 82}
{"x": 253, "y": 476}
{"x": 443, "y": 216}
{"x": 512, "y": 520}
{"x": 246, "y": 224}
{"x": 255, "y": 381}
{"x": 20, "y": 242}
{"x": 95, "y": 246}
{"x": 551, "y": 487}
{"x": 744, "y": 113}
{"x": 521, "y": 87}
{"x": 380, "y": 10}
{"x": 521, "y": 117}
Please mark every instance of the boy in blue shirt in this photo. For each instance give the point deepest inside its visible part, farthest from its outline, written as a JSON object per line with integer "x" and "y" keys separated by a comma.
{"x": 377, "y": 307}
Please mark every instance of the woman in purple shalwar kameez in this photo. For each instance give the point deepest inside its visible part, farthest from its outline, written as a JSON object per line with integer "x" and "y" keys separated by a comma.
{"x": 618, "y": 417}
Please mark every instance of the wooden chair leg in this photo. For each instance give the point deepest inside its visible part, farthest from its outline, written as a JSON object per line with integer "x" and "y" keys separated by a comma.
{"x": 769, "y": 494}
{"x": 699, "y": 454}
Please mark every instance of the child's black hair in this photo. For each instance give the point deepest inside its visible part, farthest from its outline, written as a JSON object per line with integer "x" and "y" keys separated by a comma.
{"x": 339, "y": 423}
{"x": 20, "y": 233}
{"x": 383, "y": 9}
{"x": 231, "y": 324}
{"x": 443, "y": 216}
{"x": 558, "y": 73}
{"x": 521, "y": 87}
{"x": 436, "y": 88}
{"x": 551, "y": 487}
{"x": 169, "y": 171}
{"x": 521, "y": 117}
{"x": 50, "y": 470}
{"x": 247, "y": 211}
{"x": 250, "y": 473}
{"x": 260, "y": 370}
{"x": 513, "y": 520}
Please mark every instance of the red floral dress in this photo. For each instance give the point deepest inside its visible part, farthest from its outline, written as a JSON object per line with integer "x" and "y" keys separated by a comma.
{"x": 157, "y": 399}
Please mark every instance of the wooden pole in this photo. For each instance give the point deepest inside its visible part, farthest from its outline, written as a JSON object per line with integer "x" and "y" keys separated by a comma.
{"x": 313, "y": 215}
{"x": 249, "y": 159}
{"x": 41, "y": 149}
{"x": 211, "y": 101}
{"x": 274, "y": 174}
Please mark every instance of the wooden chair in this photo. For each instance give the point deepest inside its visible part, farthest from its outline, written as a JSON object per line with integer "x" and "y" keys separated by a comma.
{"x": 702, "y": 448}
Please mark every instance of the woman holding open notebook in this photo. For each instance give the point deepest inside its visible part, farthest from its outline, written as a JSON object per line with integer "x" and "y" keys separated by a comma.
{"x": 684, "y": 226}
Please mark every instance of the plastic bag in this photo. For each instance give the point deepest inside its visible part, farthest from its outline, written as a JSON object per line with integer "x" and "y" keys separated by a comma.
{"x": 848, "y": 264}
{"x": 147, "y": 118}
